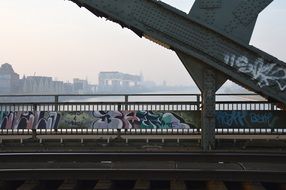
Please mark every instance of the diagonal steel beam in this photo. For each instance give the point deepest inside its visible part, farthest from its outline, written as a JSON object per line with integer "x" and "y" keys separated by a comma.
{"x": 167, "y": 26}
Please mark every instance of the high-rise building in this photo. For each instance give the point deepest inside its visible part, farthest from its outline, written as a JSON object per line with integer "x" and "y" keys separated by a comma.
{"x": 9, "y": 80}
{"x": 81, "y": 86}
{"x": 42, "y": 85}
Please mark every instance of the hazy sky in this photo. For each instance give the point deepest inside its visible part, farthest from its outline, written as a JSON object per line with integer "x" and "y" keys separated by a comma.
{"x": 57, "y": 38}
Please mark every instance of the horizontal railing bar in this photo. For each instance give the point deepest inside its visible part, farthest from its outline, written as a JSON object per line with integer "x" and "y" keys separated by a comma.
{"x": 222, "y": 131}
{"x": 147, "y": 94}
{"x": 244, "y": 102}
{"x": 238, "y": 94}
{"x": 96, "y": 95}
{"x": 131, "y": 103}
{"x": 115, "y": 95}
{"x": 97, "y": 103}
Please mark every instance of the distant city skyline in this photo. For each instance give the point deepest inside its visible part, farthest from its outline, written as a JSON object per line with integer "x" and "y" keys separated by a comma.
{"x": 57, "y": 38}
{"x": 108, "y": 82}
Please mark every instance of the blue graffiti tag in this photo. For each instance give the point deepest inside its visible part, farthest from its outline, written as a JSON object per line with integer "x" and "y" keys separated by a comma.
{"x": 261, "y": 118}
{"x": 231, "y": 118}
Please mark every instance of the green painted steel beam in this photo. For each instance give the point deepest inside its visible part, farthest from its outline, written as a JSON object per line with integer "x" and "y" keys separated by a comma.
{"x": 232, "y": 57}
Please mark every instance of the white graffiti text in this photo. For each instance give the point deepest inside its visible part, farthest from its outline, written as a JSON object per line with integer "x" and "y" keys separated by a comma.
{"x": 266, "y": 74}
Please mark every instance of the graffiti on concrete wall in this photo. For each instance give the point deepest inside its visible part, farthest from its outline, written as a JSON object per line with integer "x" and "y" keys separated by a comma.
{"x": 100, "y": 120}
{"x": 266, "y": 74}
{"x": 128, "y": 120}
{"x": 231, "y": 118}
{"x": 250, "y": 119}
{"x": 29, "y": 120}
{"x": 139, "y": 119}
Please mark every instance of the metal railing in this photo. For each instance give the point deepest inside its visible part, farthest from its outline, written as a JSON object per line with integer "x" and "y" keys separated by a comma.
{"x": 102, "y": 102}
{"x": 134, "y": 102}
{"x": 105, "y": 102}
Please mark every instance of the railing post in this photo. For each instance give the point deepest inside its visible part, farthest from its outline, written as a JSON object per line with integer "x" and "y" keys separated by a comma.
{"x": 56, "y": 103}
{"x": 34, "y": 131}
{"x": 56, "y": 107}
{"x": 198, "y": 101}
{"x": 272, "y": 106}
{"x": 119, "y": 107}
{"x": 126, "y": 100}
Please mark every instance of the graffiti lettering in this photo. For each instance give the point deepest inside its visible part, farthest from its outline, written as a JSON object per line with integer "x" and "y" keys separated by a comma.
{"x": 229, "y": 119}
{"x": 137, "y": 120}
{"x": 261, "y": 118}
{"x": 250, "y": 119}
{"x": 29, "y": 120}
{"x": 266, "y": 74}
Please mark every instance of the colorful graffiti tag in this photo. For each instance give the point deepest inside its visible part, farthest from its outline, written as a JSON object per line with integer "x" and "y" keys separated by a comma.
{"x": 127, "y": 120}
{"x": 29, "y": 120}
{"x": 139, "y": 119}
{"x": 99, "y": 120}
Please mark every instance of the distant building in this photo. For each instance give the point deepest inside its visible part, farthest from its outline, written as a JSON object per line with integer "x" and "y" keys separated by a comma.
{"x": 117, "y": 82}
{"x": 109, "y": 82}
{"x": 81, "y": 86}
{"x": 68, "y": 88}
{"x": 38, "y": 85}
{"x": 9, "y": 80}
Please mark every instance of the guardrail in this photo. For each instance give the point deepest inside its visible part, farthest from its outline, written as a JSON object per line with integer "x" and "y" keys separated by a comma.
{"x": 136, "y": 102}
{"x": 219, "y": 131}
{"x": 102, "y": 102}
{"x": 106, "y": 102}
